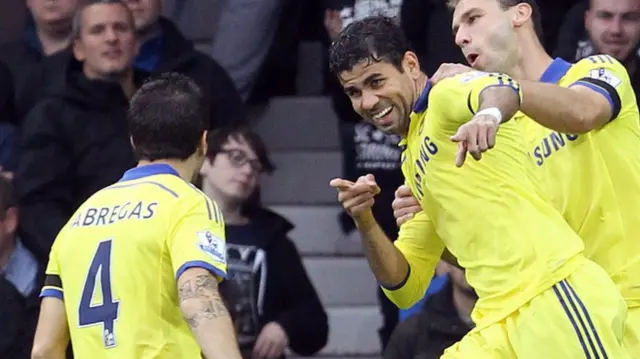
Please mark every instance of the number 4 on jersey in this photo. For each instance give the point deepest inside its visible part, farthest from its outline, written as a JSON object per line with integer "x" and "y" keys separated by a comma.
{"x": 105, "y": 313}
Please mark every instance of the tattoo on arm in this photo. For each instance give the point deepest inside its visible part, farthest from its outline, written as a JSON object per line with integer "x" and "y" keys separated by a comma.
{"x": 204, "y": 289}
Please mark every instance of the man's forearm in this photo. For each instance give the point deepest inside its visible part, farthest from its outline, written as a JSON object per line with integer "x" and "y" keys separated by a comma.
{"x": 504, "y": 98}
{"x": 562, "y": 109}
{"x": 209, "y": 320}
{"x": 388, "y": 264}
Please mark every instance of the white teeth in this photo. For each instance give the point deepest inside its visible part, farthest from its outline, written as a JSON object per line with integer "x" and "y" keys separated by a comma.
{"x": 382, "y": 113}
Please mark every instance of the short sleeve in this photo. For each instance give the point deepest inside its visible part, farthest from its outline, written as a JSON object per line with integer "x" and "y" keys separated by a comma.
{"x": 422, "y": 248}
{"x": 473, "y": 87}
{"x": 606, "y": 76}
{"x": 198, "y": 238}
{"x": 52, "y": 281}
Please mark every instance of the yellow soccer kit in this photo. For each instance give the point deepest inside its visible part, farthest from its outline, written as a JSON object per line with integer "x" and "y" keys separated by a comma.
{"x": 594, "y": 178}
{"x": 515, "y": 247}
{"x": 116, "y": 262}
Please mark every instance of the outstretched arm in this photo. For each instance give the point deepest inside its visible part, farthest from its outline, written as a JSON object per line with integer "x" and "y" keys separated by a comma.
{"x": 205, "y": 312}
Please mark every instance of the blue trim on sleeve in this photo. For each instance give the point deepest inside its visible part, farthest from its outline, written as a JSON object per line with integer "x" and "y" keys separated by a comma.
{"x": 555, "y": 71}
{"x": 149, "y": 170}
{"x": 200, "y": 264}
{"x": 50, "y": 292}
{"x": 599, "y": 90}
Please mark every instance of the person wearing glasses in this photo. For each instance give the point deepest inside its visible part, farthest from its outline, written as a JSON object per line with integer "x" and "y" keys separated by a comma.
{"x": 270, "y": 296}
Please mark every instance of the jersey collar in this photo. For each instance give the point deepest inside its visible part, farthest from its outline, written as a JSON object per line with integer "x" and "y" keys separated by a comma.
{"x": 148, "y": 170}
{"x": 423, "y": 100}
{"x": 555, "y": 71}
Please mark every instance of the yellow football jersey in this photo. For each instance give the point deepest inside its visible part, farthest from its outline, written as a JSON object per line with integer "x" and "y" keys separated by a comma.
{"x": 490, "y": 214}
{"x": 594, "y": 178}
{"x": 116, "y": 262}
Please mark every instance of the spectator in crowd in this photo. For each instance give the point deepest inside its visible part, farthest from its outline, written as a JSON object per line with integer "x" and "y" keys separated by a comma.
{"x": 603, "y": 27}
{"x": 444, "y": 319}
{"x": 20, "y": 281}
{"x": 47, "y": 32}
{"x": 9, "y": 138}
{"x": 76, "y": 141}
{"x": 163, "y": 49}
{"x": 274, "y": 304}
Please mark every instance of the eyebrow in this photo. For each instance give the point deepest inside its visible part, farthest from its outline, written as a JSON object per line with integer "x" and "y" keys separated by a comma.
{"x": 465, "y": 15}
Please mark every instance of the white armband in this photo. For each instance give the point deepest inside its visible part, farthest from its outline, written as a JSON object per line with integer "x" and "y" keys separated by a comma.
{"x": 493, "y": 112}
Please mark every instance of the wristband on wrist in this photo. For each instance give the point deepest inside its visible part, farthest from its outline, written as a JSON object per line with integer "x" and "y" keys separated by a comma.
{"x": 493, "y": 112}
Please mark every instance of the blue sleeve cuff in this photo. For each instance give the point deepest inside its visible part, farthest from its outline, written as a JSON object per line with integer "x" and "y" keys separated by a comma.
{"x": 51, "y": 292}
{"x": 201, "y": 264}
{"x": 605, "y": 90}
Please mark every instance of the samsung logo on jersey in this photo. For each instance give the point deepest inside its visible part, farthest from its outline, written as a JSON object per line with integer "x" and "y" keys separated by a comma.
{"x": 108, "y": 215}
{"x": 551, "y": 144}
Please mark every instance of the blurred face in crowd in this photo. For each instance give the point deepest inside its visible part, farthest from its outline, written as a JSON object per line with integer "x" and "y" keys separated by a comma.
{"x": 106, "y": 42}
{"x": 234, "y": 172}
{"x": 382, "y": 94}
{"x": 614, "y": 26}
{"x": 145, "y": 12}
{"x": 486, "y": 33}
{"x": 52, "y": 13}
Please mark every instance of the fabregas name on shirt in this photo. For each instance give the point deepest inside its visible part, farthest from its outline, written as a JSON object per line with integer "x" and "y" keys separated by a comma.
{"x": 108, "y": 215}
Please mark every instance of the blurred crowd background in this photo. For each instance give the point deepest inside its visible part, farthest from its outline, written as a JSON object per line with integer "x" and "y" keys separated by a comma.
{"x": 281, "y": 128}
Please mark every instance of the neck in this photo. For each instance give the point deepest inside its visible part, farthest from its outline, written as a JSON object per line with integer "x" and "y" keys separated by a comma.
{"x": 124, "y": 79}
{"x": 532, "y": 60}
{"x": 185, "y": 169}
{"x": 418, "y": 89}
{"x": 6, "y": 249}
{"x": 463, "y": 302}
{"x": 53, "y": 41}
{"x": 231, "y": 210}
{"x": 128, "y": 85}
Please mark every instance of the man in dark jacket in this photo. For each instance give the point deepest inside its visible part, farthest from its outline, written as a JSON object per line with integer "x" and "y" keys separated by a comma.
{"x": 445, "y": 318}
{"x": 76, "y": 140}
{"x": 163, "y": 49}
{"x": 47, "y": 32}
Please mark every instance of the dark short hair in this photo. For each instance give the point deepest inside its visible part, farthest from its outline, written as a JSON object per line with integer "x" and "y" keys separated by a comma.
{"x": 372, "y": 39}
{"x": 221, "y": 136}
{"x": 76, "y": 23}
{"x": 8, "y": 197}
{"x": 506, "y": 4}
{"x": 166, "y": 118}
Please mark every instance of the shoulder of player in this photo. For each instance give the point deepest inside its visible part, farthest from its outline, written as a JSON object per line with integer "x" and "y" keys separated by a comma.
{"x": 601, "y": 67}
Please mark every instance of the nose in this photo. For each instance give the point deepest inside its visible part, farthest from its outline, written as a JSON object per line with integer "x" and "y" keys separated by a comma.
{"x": 616, "y": 26}
{"x": 110, "y": 34}
{"x": 369, "y": 100}
{"x": 462, "y": 38}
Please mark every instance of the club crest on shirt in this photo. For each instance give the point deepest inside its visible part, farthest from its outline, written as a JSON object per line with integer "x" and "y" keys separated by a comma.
{"x": 606, "y": 76}
{"x": 212, "y": 245}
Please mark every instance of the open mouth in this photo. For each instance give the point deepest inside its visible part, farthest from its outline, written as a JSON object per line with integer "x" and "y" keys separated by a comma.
{"x": 471, "y": 59}
{"x": 382, "y": 113}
